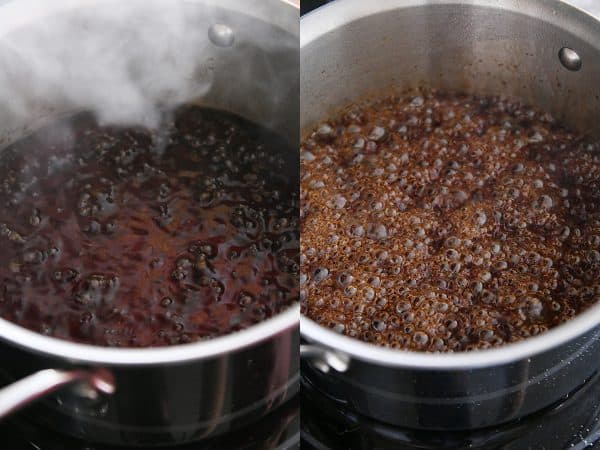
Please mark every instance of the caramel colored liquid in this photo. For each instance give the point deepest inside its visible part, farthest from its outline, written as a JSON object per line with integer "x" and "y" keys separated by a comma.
{"x": 447, "y": 223}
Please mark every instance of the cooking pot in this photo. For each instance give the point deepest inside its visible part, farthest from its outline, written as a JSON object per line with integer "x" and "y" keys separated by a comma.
{"x": 545, "y": 53}
{"x": 245, "y": 60}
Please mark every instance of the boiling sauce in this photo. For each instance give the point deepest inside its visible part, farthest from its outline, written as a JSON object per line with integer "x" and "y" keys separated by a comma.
{"x": 124, "y": 237}
{"x": 447, "y": 222}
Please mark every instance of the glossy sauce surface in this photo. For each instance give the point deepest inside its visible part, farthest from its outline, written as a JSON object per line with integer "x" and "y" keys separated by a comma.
{"x": 447, "y": 222}
{"x": 124, "y": 237}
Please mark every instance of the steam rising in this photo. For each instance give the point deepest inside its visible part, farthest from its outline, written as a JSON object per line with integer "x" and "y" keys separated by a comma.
{"x": 128, "y": 60}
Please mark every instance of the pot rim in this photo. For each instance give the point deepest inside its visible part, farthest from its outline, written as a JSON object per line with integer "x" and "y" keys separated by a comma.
{"x": 23, "y": 12}
{"x": 505, "y": 354}
{"x": 108, "y": 356}
{"x": 315, "y": 25}
{"x": 557, "y": 12}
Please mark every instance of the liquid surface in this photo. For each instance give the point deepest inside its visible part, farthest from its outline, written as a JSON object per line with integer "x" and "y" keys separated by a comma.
{"x": 123, "y": 237}
{"x": 447, "y": 223}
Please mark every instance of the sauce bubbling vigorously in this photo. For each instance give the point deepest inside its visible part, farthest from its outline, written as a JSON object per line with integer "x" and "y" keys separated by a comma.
{"x": 123, "y": 237}
{"x": 447, "y": 223}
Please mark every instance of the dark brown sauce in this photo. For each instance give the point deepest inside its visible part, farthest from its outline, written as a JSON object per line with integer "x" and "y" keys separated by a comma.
{"x": 125, "y": 237}
{"x": 447, "y": 222}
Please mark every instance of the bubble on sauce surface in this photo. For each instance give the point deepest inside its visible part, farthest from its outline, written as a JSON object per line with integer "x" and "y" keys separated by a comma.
{"x": 121, "y": 245}
{"x": 465, "y": 221}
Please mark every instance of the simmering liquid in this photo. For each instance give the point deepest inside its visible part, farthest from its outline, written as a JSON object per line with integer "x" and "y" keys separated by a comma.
{"x": 126, "y": 237}
{"x": 447, "y": 223}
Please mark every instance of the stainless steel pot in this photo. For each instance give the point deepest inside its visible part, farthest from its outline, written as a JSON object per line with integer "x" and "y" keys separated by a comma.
{"x": 187, "y": 392}
{"x": 544, "y": 52}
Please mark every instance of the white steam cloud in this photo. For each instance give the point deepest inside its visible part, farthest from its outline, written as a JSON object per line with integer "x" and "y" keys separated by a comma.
{"x": 126, "y": 60}
{"x": 122, "y": 61}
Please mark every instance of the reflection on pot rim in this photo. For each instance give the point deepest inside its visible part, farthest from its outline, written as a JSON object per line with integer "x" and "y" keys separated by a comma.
{"x": 83, "y": 353}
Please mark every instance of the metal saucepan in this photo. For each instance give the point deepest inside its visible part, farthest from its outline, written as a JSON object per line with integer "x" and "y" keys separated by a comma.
{"x": 352, "y": 49}
{"x": 186, "y": 392}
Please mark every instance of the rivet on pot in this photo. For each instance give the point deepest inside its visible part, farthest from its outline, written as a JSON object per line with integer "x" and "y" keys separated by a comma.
{"x": 221, "y": 35}
{"x": 324, "y": 359}
{"x": 570, "y": 59}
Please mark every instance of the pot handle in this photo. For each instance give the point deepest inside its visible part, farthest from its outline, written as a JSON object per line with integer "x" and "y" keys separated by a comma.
{"x": 324, "y": 359}
{"x": 31, "y": 388}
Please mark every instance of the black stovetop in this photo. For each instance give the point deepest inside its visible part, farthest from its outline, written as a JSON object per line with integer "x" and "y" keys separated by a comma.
{"x": 276, "y": 431}
{"x": 574, "y": 424}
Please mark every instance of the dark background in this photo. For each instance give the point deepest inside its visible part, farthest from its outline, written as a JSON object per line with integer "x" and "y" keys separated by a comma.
{"x": 309, "y": 5}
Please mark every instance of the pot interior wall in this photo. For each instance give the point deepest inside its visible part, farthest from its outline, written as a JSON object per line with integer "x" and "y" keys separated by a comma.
{"x": 161, "y": 49}
{"x": 463, "y": 47}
